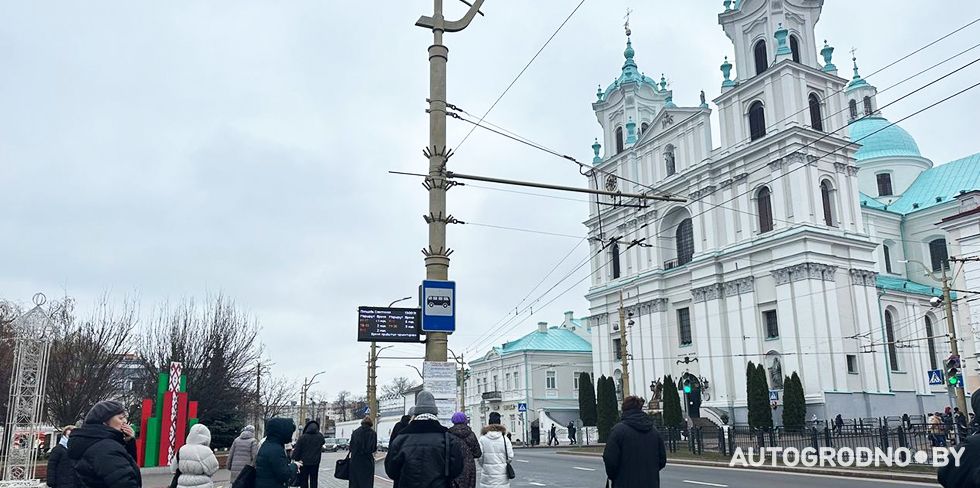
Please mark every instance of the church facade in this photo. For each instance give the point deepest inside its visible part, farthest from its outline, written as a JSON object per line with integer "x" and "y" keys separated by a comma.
{"x": 804, "y": 241}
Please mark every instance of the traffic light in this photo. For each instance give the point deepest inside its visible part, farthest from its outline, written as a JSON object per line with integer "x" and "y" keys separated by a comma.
{"x": 687, "y": 386}
{"x": 953, "y": 370}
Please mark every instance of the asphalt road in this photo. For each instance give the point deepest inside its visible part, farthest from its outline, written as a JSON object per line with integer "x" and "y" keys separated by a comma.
{"x": 545, "y": 468}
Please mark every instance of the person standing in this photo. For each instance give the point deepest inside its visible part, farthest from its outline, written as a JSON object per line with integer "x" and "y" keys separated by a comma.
{"x": 61, "y": 471}
{"x": 497, "y": 453}
{"x": 272, "y": 466}
{"x": 424, "y": 454}
{"x": 243, "y": 451}
{"x": 363, "y": 445}
{"x": 535, "y": 432}
{"x": 402, "y": 423}
{"x": 553, "y": 435}
{"x": 471, "y": 450}
{"x": 838, "y": 424}
{"x": 309, "y": 449}
{"x": 635, "y": 452}
{"x": 964, "y": 475}
{"x": 98, "y": 449}
{"x": 571, "y": 433}
{"x": 195, "y": 460}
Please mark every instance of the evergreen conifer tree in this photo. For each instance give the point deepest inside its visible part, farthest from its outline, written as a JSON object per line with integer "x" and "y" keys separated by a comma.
{"x": 673, "y": 416}
{"x": 794, "y": 403}
{"x": 603, "y": 415}
{"x": 762, "y": 388}
{"x": 587, "y": 408}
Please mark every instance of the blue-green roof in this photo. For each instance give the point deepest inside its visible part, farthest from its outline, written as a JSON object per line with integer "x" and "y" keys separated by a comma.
{"x": 556, "y": 339}
{"x": 869, "y": 201}
{"x": 939, "y": 185}
{"x": 895, "y": 283}
{"x": 878, "y": 139}
{"x": 630, "y": 74}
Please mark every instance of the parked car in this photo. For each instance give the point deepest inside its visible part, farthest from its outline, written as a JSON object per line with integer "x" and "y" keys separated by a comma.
{"x": 330, "y": 445}
{"x": 383, "y": 445}
{"x": 343, "y": 443}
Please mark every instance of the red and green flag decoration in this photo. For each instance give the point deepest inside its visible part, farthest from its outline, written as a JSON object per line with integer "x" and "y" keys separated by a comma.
{"x": 164, "y": 424}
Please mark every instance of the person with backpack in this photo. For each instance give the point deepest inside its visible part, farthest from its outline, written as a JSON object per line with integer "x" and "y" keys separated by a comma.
{"x": 242, "y": 452}
{"x": 98, "y": 449}
{"x": 425, "y": 454}
{"x": 309, "y": 449}
{"x": 272, "y": 466}
{"x": 61, "y": 471}
{"x": 634, "y": 453}
{"x": 196, "y": 464}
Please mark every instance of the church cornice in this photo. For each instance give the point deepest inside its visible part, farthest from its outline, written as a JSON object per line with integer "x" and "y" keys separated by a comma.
{"x": 753, "y": 83}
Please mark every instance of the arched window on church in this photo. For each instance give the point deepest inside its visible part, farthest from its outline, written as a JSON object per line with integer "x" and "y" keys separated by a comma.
{"x": 794, "y": 45}
{"x": 614, "y": 257}
{"x": 828, "y": 204}
{"x": 684, "y": 239}
{"x": 867, "y": 106}
{"x": 853, "y": 106}
{"x": 938, "y": 254}
{"x": 763, "y": 202}
{"x": 816, "y": 118}
{"x": 669, "y": 161}
{"x": 619, "y": 140}
{"x": 890, "y": 338}
{"x": 761, "y": 57}
{"x": 757, "y": 120}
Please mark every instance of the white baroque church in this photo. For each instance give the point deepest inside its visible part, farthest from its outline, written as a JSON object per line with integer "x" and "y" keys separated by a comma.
{"x": 803, "y": 242}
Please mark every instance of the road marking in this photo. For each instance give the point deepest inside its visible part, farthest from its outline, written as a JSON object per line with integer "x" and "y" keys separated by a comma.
{"x": 583, "y": 469}
{"x": 532, "y": 483}
{"x": 382, "y": 478}
{"x": 705, "y": 483}
{"x": 522, "y": 460}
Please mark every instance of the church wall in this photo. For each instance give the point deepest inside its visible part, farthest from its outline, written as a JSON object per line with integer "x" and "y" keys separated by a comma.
{"x": 903, "y": 170}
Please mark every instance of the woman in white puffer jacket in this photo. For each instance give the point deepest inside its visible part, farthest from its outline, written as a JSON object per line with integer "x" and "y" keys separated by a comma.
{"x": 497, "y": 453}
{"x": 196, "y": 460}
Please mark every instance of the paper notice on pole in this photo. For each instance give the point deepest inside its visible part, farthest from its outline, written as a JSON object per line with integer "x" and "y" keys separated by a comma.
{"x": 440, "y": 380}
{"x": 447, "y": 407}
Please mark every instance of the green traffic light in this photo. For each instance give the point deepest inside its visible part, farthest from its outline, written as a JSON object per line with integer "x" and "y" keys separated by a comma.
{"x": 953, "y": 380}
{"x": 687, "y": 388}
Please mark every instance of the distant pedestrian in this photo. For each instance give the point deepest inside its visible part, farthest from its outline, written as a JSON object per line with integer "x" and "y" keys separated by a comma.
{"x": 363, "y": 445}
{"x": 424, "y": 454}
{"x": 98, "y": 449}
{"x": 838, "y": 424}
{"x": 242, "y": 452}
{"x": 553, "y": 435}
{"x": 497, "y": 454}
{"x": 402, "y": 423}
{"x": 309, "y": 449}
{"x": 965, "y": 473}
{"x": 906, "y": 421}
{"x": 635, "y": 452}
{"x": 535, "y": 432}
{"x": 471, "y": 450}
{"x": 195, "y": 460}
{"x": 272, "y": 466}
{"x": 936, "y": 432}
{"x": 571, "y": 433}
{"x": 61, "y": 471}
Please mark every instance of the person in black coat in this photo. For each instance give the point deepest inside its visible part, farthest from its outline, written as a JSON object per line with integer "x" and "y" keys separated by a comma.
{"x": 61, "y": 471}
{"x": 635, "y": 452}
{"x": 272, "y": 466}
{"x": 363, "y": 445}
{"x": 308, "y": 449}
{"x": 402, "y": 423}
{"x": 98, "y": 449}
{"x": 425, "y": 454}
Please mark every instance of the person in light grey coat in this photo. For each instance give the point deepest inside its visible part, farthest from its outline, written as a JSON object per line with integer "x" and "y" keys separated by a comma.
{"x": 195, "y": 460}
{"x": 243, "y": 451}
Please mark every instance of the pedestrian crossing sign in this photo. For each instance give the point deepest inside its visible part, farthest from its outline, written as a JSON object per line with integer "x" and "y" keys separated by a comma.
{"x": 935, "y": 376}
{"x": 773, "y": 395}
{"x": 522, "y": 407}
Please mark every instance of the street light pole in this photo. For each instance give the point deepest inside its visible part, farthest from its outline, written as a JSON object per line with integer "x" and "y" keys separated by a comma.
{"x": 461, "y": 380}
{"x": 302, "y": 399}
{"x": 372, "y": 380}
{"x": 437, "y": 253}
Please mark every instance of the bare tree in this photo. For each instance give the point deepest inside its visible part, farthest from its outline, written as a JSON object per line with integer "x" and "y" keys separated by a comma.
{"x": 398, "y": 386}
{"x": 342, "y": 404}
{"x": 276, "y": 394}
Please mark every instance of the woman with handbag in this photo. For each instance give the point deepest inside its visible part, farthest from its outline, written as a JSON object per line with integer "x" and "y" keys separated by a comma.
{"x": 496, "y": 470}
{"x": 363, "y": 445}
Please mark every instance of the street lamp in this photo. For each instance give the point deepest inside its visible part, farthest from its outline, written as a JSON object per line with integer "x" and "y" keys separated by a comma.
{"x": 461, "y": 379}
{"x": 302, "y": 401}
{"x": 372, "y": 385}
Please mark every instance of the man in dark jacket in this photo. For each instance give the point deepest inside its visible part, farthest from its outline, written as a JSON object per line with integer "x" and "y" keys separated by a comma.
{"x": 424, "y": 455}
{"x": 402, "y": 423}
{"x": 98, "y": 449}
{"x": 308, "y": 449}
{"x": 61, "y": 471}
{"x": 635, "y": 452}
{"x": 272, "y": 466}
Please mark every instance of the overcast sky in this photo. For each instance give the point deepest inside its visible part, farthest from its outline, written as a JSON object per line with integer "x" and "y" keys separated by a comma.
{"x": 174, "y": 149}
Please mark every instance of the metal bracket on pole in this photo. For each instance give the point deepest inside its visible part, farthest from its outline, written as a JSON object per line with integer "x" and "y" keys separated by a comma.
{"x": 450, "y": 25}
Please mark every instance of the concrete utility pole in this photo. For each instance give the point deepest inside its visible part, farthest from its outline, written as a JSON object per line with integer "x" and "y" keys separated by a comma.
{"x": 622, "y": 347}
{"x": 437, "y": 253}
{"x": 954, "y": 349}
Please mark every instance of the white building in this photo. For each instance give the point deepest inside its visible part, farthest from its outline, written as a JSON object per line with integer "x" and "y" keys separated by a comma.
{"x": 540, "y": 370}
{"x": 790, "y": 248}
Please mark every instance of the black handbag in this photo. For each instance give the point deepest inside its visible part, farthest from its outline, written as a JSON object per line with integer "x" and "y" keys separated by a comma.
{"x": 510, "y": 469}
{"x": 342, "y": 468}
{"x": 173, "y": 482}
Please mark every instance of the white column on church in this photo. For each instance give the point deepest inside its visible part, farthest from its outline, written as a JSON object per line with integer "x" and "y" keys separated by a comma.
{"x": 913, "y": 330}
{"x": 838, "y": 361}
{"x": 785, "y": 312}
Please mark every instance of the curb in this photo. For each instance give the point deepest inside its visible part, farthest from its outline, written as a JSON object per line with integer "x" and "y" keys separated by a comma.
{"x": 870, "y": 474}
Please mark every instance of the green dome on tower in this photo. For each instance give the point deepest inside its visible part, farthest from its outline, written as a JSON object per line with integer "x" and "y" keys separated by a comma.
{"x": 878, "y": 139}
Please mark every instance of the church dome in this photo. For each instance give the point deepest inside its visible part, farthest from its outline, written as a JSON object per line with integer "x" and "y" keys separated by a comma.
{"x": 879, "y": 139}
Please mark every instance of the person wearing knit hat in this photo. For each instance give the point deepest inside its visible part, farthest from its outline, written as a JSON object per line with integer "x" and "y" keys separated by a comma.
{"x": 99, "y": 452}
{"x": 243, "y": 451}
{"x": 494, "y": 418}
{"x": 424, "y": 453}
{"x": 471, "y": 450}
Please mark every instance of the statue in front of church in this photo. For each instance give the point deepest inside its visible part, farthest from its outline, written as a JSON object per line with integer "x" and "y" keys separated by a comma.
{"x": 703, "y": 102}
{"x": 776, "y": 374}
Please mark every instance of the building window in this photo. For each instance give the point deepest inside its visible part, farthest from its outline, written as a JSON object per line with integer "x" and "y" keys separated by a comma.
{"x": 938, "y": 254}
{"x": 669, "y": 161}
{"x": 890, "y": 338}
{"x": 684, "y": 325}
{"x": 853, "y": 108}
{"x": 794, "y": 45}
{"x": 575, "y": 376}
{"x": 507, "y": 381}
{"x": 888, "y": 258}
{"x": 495, "y": 383}
{"x": 867, "y": 106}
{"x": 619, "y": 140}
{"x": 617, "y": 349}
{"x": 614, "y": 251}
{"x": 852, "y": 364}
{"x": 763, "y": 201}
{"x": 772, "y": 325}
{"x": 816, "y": 118}
{"x": 828, "y": 209}
{"x": 517, "y": 381}
{"x": 933, "y": 363}
{"x": 884, "y": 184}
{"x": 551, "y": 381}
{"x": 761, "y": 57}
{"x": 757, "y": 120}
{"x": 684, "y": 239}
